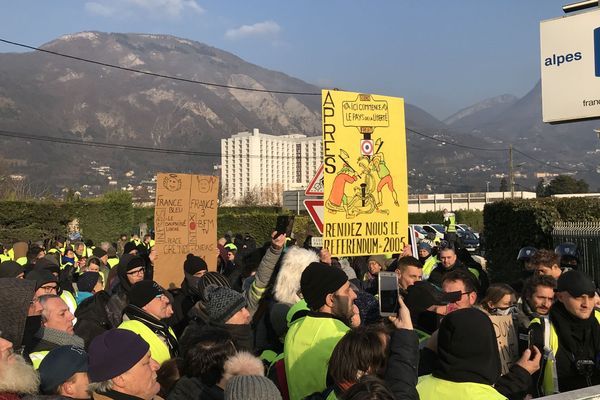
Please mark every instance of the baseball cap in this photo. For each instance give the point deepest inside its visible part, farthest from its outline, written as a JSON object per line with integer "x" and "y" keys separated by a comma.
{"x": 423, "y": 295}
{"x": 576, "y": 283}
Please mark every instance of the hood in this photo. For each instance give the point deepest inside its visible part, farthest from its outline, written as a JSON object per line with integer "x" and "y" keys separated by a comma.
{"x": 15, "y": 296}
{"x": 467, "y": 348}
{"x": 93, "y": 308}
{"x": 287, "y": 283}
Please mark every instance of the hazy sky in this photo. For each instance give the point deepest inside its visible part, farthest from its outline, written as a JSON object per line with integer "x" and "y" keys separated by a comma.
{"x": 439, "y": 55}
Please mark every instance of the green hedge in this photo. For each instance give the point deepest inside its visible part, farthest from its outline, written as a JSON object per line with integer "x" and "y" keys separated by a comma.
{"x": 99, "y": 219}
{"x": 512, "y": 224}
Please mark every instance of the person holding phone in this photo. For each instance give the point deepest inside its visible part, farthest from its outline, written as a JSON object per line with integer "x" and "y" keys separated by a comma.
{"x": 311, "y": 339}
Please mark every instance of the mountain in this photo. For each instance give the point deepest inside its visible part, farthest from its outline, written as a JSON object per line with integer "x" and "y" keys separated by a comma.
{"x": 489, "y": 109}
{"x": 70, "y": 100}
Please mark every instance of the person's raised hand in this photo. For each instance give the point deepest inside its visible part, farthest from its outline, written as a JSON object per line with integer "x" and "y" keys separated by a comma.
{"x": 278, "y": 241}
{"x": 402, "y": 321}
{"x": 530, "y": 360}
{"x": 325, "y": 256}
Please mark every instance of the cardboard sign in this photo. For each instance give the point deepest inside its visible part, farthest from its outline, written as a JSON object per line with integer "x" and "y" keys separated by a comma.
{"x": 508, "y": 344}
{"x": 365, "y": 174}
{"x": 185, "y": 221}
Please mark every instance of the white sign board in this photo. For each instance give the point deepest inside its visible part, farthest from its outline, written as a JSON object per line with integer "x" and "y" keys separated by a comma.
{"x": 570, "y": 63}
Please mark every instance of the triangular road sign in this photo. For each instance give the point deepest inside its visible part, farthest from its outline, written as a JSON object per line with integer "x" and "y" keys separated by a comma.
{"x": 315, "y": 187}
{"x": 315, "y": 210}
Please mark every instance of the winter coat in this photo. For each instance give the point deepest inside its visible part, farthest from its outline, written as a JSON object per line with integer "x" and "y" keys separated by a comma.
{"x": 92, "y": 317}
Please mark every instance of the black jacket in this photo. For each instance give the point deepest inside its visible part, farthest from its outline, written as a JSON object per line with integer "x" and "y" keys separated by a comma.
{"x": 92, "y": 317}
{"x": 193, "y": 389}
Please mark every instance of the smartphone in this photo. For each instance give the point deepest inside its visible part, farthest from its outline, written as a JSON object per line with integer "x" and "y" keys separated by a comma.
{"x": 285, "y": 224}
{"x": 388, "y": 294}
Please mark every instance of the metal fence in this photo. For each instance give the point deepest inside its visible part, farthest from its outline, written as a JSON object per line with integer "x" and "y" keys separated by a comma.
{"x": 586, "y": 235}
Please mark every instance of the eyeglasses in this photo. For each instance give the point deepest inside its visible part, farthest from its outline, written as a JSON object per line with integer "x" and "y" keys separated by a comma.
{"x": 137, "y": 272}
{"x": 49, "y": 288}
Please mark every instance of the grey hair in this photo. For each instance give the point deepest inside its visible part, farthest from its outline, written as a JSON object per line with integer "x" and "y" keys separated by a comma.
{"x": 100, "y": 387}
{"x": 43, "y": 300}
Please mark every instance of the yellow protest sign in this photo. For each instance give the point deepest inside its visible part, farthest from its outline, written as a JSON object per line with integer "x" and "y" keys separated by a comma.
{"x": 508, "y": 344}
{"x": 365, "y": 174}
{"x": 185, "y": 221}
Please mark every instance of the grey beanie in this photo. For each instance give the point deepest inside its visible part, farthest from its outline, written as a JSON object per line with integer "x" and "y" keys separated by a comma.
{"x": 251, "y": 387}
{"x": 222, "y": 303}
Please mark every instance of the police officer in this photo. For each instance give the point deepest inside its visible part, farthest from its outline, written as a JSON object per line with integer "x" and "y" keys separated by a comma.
{"x": 569, "y": 255}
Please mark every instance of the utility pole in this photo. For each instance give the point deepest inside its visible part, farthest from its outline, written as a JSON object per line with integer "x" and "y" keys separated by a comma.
{"x": 511, "y": 172}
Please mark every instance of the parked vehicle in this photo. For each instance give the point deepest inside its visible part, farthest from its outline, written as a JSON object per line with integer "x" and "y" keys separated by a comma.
{"x": 469, "y": 240}
{"x": 420, "y": 233}
{"x": 438, "y": 229}
{"x": 467, "y": 228}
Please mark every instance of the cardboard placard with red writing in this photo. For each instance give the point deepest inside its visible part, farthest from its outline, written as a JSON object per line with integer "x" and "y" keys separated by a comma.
{"x": 508, "y": 344}
{"x": 185, "y": 221}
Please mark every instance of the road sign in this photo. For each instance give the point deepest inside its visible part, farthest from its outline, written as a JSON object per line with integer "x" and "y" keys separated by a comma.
{"x": 315, "y": 210}
{"x": 315, "y": 187}
{"x": 316, "y": 241}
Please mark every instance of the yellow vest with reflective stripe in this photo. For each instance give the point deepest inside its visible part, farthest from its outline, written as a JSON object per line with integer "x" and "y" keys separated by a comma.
{"x": 159, "y": 350}
{"x": 432, "y": 388}
{"x": 37, "y": 356}
{"x": 550, "y": 381}
{"x": 69, "y": 299}
{"x": 428, "y": 266}
{"x": 112, "y": 262}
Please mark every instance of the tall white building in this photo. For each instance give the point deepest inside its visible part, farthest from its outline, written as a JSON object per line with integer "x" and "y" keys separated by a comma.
{"x": 266, "y": 165}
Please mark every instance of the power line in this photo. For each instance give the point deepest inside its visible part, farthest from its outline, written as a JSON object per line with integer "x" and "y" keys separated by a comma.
{"x": 546, "y": 163}
{"x": 452, "y": 143}
{"x": 53, "y": 139}
{"x": 138, "y": 71}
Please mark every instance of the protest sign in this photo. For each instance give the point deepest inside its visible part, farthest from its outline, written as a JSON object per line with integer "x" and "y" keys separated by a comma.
{"x": 508, "y": 344}
{"x": 365, "y": 174}
{"x": 185, "y": 221}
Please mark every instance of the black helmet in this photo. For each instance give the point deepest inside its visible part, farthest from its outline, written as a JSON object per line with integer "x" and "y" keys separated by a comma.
{"x": 568, "y": 253}
{"x": 526, "y": 253}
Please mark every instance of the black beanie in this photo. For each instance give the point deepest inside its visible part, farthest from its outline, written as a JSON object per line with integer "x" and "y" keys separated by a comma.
{"x": 135, "y": 262}
{"x": 128, "y": 247}
{"x": 87, "y": 281}
{"x": 143, "y": 292}
{"x": 318, "y": 280}
{"x": 10, "y": 269}
{"x": 98, "y": 252}
{"x": 41, "y": 277}
{"x": 194, "y": 264}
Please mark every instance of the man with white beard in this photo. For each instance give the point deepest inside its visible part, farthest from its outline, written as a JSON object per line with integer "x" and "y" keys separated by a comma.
{"x": 17, "y": 378}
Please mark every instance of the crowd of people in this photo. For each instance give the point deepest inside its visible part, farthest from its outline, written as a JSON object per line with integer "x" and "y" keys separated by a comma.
{"x": 283, "y": 321}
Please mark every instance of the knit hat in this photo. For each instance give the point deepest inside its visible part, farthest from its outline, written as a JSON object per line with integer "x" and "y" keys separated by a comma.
{"x": 379, "y": 259}
{"x": 48, "y": 264}
{"x": 41, "y": 277}
{"x": 134, "y": 262}
{"x": 425, "y": 246}
{"x": 128, "y": 247}
{"x": 576, "y": 283}
{"x": 144, "y": 292}
{"x": 10, "y": 269}
{"x": 211, "y": 278}
{"x": 61, "y": 364}
{"x": 114, "y": 352}
{"x": 318, "y": 280}
{"x": 98, "y": 252}
{"x": 194, "y": 264}
{"x": 251, "y": 387}
{"x": 222, "y": 303}
{"x": 87, "y": 281}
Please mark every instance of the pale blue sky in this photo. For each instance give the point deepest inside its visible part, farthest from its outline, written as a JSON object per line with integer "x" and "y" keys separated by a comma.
{"x": 439, "y": 55}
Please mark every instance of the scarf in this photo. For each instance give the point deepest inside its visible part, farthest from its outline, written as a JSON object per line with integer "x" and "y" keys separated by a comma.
{"x": 580, "y": 338}
{"x": 242, "y": 335}
{"x": 59, "y": 338}
{"x": 155, "y": 325}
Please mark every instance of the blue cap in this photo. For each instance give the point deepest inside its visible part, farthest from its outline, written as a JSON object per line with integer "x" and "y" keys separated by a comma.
{"x": 60, "y": 365}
